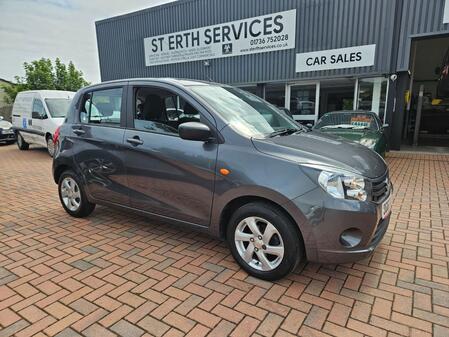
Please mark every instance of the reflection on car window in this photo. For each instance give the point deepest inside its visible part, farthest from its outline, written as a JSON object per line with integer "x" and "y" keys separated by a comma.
{"x": 244, "y": 111}
{"x": 102, "y": 107}
{"x": 161, "y": 111}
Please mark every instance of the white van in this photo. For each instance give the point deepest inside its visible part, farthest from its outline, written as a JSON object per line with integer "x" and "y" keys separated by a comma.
{"x": 37, "y": 114}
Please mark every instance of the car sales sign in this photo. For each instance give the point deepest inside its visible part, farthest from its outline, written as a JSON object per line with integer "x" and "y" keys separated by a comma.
{"x": 358, "y": 56}
{"x": 258, "y": 34}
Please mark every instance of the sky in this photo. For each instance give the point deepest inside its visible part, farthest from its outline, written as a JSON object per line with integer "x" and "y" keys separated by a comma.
{"x": 32, "y": 29}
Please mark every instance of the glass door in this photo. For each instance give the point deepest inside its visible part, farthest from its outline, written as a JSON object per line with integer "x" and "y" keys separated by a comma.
{"x": 302, "y": 101}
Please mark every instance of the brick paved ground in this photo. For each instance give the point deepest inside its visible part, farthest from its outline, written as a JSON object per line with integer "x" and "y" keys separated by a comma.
{"x": 120, "y": 274}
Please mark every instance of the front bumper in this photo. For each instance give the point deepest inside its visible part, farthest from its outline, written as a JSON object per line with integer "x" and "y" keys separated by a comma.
{"x": 7, "y": 136}
{"x": 327, "y": 218}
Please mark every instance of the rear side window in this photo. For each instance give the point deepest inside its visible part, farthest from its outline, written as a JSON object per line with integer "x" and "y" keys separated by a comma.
{"x": 102, "y": 107}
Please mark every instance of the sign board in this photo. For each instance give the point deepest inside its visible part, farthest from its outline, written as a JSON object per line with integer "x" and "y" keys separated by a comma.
{"x": 446, "y": 12}
{"x": 358, "y": 56}
{"x": 258, "y": 34}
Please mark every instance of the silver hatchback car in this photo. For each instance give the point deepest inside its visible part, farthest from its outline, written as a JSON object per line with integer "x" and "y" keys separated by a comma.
{"x": 221, "y": 160}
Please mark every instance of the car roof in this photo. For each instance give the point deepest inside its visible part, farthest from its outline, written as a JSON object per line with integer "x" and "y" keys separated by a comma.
{"x": 351, "y": 111}
{"x": 184, "y": 82}
{"x": 48, "y": 93}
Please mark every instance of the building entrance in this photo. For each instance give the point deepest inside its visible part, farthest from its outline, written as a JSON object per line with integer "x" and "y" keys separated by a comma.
{"x": 427, "y": 111}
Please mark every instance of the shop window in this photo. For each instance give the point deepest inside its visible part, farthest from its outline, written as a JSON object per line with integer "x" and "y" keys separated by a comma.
{"x": 302, "y": 100}
{"x": 275, "y": 94}
{"x": 372, "y": 95}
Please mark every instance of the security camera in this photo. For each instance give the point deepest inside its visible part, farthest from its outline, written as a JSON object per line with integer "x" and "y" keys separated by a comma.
{"x": 394, "y": 77}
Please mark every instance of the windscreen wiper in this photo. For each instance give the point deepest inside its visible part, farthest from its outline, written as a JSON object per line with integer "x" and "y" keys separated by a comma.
{"x": 286, "y": 131}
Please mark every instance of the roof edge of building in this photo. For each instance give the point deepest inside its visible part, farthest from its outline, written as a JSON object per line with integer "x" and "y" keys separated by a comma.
{"x": 172, "y": 3}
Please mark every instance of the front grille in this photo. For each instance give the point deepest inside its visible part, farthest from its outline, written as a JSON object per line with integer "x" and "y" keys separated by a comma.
{"x": 380, "y": 188}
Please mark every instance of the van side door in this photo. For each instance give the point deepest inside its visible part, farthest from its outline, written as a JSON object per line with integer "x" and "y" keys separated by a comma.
{"x": 167, "y": 175}
{"x": 97, "y": 137}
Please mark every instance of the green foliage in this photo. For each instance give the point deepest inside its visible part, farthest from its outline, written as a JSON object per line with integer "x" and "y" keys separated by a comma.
{"x": 43, "y": 75}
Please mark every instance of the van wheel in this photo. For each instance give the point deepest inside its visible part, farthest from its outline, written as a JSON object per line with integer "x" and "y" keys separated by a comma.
{"x": 50, "y": 146}
{"x": 72, "y": 195}
{"x": 264, "y": 241}
{"x": 21, "y": 143}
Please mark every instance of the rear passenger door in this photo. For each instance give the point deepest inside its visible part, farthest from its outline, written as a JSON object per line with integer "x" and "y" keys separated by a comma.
{"x": 98, "y": 143}
{"x": 167, "y": 175}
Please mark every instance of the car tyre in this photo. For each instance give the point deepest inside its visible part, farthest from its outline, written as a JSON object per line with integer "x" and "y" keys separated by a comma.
{"x": 264, "y": 241}
{"x": 72, "y": 195}
{"x": 51, "y": 147}
{"x": 21, "y": 143}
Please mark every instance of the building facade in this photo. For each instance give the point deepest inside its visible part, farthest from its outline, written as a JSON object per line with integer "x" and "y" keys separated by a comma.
{"x": 310, "y": 56}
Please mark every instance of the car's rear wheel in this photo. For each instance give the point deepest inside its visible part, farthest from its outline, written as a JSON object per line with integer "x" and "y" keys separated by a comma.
{"x": 21, "y": 143}
{"x": 264, "y": 241}
{"x": 50, "y": 146}
{"x": 72, "y": 195}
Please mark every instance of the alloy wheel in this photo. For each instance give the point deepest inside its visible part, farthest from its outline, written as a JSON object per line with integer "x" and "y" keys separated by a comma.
{"x": 259, "y": 243}
{"x": 70, "y": 194}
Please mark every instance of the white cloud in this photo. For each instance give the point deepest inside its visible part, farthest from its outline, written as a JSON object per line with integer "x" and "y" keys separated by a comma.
{"x": 31, "y": 29}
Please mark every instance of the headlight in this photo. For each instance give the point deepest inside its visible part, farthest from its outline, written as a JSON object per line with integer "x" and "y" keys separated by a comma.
{"x": 368, "y": 142}
{"x": 343, "y": 186}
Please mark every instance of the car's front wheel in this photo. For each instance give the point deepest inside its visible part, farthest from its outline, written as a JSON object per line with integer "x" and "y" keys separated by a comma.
{"x": 72, "y": 195}
{"x": 264, "y": 241}
{"x": 21, "y": 143}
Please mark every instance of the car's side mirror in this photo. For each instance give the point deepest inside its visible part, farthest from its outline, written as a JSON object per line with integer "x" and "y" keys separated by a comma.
{"x": 194, "y": 131}
{"x": 44, "y": 116}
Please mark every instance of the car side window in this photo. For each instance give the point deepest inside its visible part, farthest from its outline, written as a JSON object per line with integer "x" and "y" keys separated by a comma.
{"x": 102, "y": 107}
{"x": 38, "y": 109}
{"x": 161, "y": 110}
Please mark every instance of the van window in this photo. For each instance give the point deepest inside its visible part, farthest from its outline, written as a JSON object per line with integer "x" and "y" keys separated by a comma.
{"x": 38, "y": 109}
{"x": 161, "y": 111}
{"x": 102, "y": 107}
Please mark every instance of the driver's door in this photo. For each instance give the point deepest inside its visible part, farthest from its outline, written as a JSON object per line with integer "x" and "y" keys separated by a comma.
{"x": 38, "y": 118}
{"x": 167, "y": 175}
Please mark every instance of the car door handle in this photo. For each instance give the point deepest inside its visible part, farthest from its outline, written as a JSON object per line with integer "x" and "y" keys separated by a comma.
{"x": 135, "y": 141}
{"x": 79, "y": 132}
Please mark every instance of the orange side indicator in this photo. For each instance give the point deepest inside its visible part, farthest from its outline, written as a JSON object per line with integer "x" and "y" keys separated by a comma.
{"x": 224, "y": 171}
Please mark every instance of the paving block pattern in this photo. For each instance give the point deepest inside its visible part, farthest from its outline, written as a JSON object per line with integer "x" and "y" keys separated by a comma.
{"x": 119, "y": 274}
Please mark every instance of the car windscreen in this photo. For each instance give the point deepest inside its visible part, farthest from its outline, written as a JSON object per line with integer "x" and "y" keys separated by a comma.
{"x": 58, "y": 106}
{"x": 347, "y": 120}
{"x": 245, "y": 112}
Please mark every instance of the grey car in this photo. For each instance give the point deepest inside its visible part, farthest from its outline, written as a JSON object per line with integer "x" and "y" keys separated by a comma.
{"x": 221, "y": 160}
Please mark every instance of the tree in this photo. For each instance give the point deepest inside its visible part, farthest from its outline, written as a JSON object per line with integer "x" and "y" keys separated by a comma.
{"x": 42, "y": 75}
